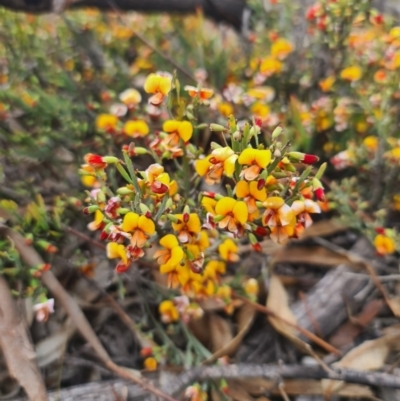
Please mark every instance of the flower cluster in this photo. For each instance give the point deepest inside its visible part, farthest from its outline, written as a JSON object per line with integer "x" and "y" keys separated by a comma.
{"x": 269, "y": 192}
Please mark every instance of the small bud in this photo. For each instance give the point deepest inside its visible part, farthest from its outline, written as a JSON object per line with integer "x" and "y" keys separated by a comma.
{"x": 173, "y": 218}
{"x": 186, "y": 217}
{"x": 261, "y": 231}
{"x": 232, "y": 123}
{"x": 46, "y": 246}
{"x": 186, "y": 210}
{"x": 124, "y": 191}
{"x": 258, "y": 122}
{"x": 209, "y": 194}
{"x": 276, "y": 132}
{"x": 217, "y": 128}
{"x": 260, "y": 184}
{"x": 215, "y": 145}
{"x": 110, "y": 159}
{"x": 123, "y": 210}
{"x": 95, "y": 161}
{"x": 277, "y": 153}
{"x": 201, "y": 126}
{"x": 237, "y": 136}
{"x": 144, "y": 209}
{"x": 321, "y": 171}
{"x": 29, "y": 239}
{"x": 141, "y": 151}
{"x": 303, "y": 157}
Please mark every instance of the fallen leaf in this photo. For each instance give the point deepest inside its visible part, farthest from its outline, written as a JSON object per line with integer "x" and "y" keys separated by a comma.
{"x": 220, "y": 332}
{"x": 323, "y": 228}
{"x": 394, "y": 304}
{"x": 245, "y": 319}
{"x": 238, "y": 393}
{"x": 370, "y": 355}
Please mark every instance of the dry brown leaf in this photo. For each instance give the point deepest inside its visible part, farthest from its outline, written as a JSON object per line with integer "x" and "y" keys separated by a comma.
{"x": 238, "y": 393}
{"x": 220, "y": 332}
{"x": 370, "y": 355}
{"x": 258, "y": 386}
{"x": 200, "y": 329}
{"x": 323, "y": 228}
{"x": 278, "y": 303}
{"x": 313, "y": 255}
{"x": 394, "y": 305}
{"x": 246, "y": 316}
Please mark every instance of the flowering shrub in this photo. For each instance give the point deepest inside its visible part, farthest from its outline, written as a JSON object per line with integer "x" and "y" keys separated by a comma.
{"x": 257, "y": 188}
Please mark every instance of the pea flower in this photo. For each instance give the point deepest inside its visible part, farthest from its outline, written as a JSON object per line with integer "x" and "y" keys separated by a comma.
{"x": 232, "y": 215}
{"x": 160, "y": 85}
{"x": 228, "y": 250}
{"x": 130, "y": 97}
{"x": 220, "y": 161}
{"x": 106, "y": 122}
{"x": 250, "y": 193}
{"x": 384, "y": 245}
{"x": 168, "y": 312}
{"x": 188, "y": 227}
{"x": 140, "y": 228}
{"x": 177, "y": 130}
{"x": 352, "y": 73}
{"x": 136, "y": 129}
{"x": 256, "y": 160}
{"x": 202, "y": 93}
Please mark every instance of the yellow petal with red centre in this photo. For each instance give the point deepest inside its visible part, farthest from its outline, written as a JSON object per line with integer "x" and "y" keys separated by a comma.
{"x": 152, "y": 83}
{"x": 164, "y": 178}
{"x": 285, "y": 214}
{"x": 176, "y": 256}
{"x": 240, "y": 212}
{"x": 248, "y": 156}
{"x": 146, "y": 225}
{"x": 258, "y": 194}
{"x": 311, "y": 206}
{"x": 243, "y": 189}
{"x": 130, "y": 222}
{"x": 173, "y": 188}
{"x": 115, "y": 250}
{"x": 136, "y": 128}
{"x": 169, "y": 241}
{"x": 165, "y": 85}
{"x": 185, "y": 130}
{"x": 153, "y": 171}
{"x": 202, "y": 166}
{"x": 263, "y": 157}
{"x": 274, "y": 202}
{"x": 298, "y": 207}
{"x": 225, "y": 205}
{"x": 229, "y": 165}
{"x": 171, "y": 126}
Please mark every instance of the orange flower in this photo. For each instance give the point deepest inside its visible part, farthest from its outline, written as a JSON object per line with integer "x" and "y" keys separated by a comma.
{"x": 352, "y": 73}
{"x": 384, "y": 245}
{"x": 232, "y": 214}
{"x": 202, "y": 93}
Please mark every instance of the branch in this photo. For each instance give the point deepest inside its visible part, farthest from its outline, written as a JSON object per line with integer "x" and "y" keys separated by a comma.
{"x": 233, "y": 12}
{"x": 17, "y": 348}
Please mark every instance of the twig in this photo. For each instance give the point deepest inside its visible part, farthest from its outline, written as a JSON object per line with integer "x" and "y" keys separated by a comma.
{"x": 32, "y": 258}
{"x": 85, "y": 237}
{"x": 17, "y": 348}
{"x": 305, "y": 332}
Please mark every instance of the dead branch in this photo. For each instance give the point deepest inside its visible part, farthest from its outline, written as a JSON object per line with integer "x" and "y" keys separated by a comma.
{"x": 232, "y": 12}
{"x": 17, "y": 348}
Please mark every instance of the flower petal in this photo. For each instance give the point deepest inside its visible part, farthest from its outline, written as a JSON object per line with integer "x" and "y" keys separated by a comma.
{"x": 146, "y": 225}
{"x": 241, "y": 212}
{"x": 130, "y": 222}
{"x": 225, "y": 205}
{"x": 169, "y": 241}
{"x": 229, "y": 165}
{"x": 247, "y": 156}
{"x": 185, "y": 130}
{"x": 263, "y": 157}
{"x": 242, "y": 189}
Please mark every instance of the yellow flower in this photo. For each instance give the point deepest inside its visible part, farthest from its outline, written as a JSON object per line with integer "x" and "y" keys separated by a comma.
{"x": 188, "y": 227}
{"x": 203, "y": 93}
{"x": 117, "y": 251}
{"x": 136, "y": 128}
{"x": 171, "y": 256}
{"x": 89, "y": 179}
{"x": 250, "y": 193}
{"x": 260, "y": 110}
{"x": 225, "y": 109}
{"x": 371, "y": 143}
{"x": 202, "y": 241}
{"x": 327, "y": 83}
{"x": 280, "y": 218}
{"x": 384, "y": 245}
{"x": 97, "y": 223}
{"x": 256, "y": 160}
{"x": 177, "y": 130}
{"x": 106, "y": 122}
{"x": 208, "y": 204}
{"x": 281, "y": 48}
{"x": 270, "y": 66}
{"x": 130, "y": 97}
{"x": 213, "y": 269}
{"x": 159, "y": 85}
{"x": 221, "y": 160}
{"x": 352, "y": 73}
{"x": 395, "y": 32}
{"x": 396, "y": 202}
{"x": 150, "y": 363}
{"x": 302, "y": 209}
{"x": 251, "y": 287}
{"x": 228, "y": 250}
{"x": 262, "y": 93}
{"x": 393, "y": 154}
{"x": 141, "y": 228}
{"x": 233, "y": 214}
{"x": 168, "y": 312}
